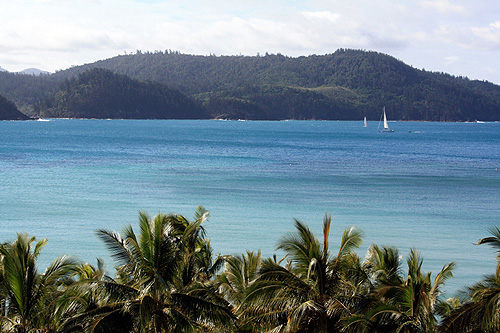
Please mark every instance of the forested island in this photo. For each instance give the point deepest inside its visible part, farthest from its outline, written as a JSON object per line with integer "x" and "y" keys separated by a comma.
{"x": 9, "y": 111}
{"x": 344, "y": 85}
{"x": 168, "y": 279}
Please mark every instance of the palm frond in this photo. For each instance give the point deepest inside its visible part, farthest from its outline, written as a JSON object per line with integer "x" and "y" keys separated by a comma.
{"x": 327, "y": 221}
{"x": 147, "y": 234}
{"x": 445, "y": 274}
{"x": 384, "y": 265}
{"x": 301, "y": 246}
{"x": 309, "y": 313}
{"x": 117, "y": 245}
{"x": 201, "y": 214}
{"x": 493, "y": 241}
{"x": 202, "y": 310}
{"x": 58, "y": 269}
{"x": 352, "y": 239}
{"x": 414, "y": 262}
{"x": 466, "y": 318}
{"x": 117, "y": 292}
{"x": 38, "y": 246}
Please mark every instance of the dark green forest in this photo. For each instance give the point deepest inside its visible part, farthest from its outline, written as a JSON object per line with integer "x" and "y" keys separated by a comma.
{"x": 99, "y": 93}
{"x": 168, "y": 278}
{"x": 25, "y": 90}
{"x": 345, "y": 85}
{"x": 9, "y": 111}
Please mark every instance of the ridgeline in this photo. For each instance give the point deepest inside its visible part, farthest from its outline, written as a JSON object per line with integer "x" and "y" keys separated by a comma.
{"x": 345, "y": 85}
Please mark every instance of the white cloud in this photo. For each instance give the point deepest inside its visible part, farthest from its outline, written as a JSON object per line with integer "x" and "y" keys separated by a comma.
{"x": 443, "y": 6}
{"x": 487, "y": 37}
{"x": 55, "y": 34}
{"x": 323, "y": 15}
{"x": 451, "y": 60}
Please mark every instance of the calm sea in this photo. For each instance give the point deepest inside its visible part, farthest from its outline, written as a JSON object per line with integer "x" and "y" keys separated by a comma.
{"x": 431, "y": 186}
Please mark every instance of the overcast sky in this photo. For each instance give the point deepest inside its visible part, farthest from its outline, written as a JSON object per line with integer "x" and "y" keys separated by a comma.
{"x": 460, "y": 37}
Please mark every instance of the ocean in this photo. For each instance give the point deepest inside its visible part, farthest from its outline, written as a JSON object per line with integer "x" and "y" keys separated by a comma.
{"x": 430, "y": 186}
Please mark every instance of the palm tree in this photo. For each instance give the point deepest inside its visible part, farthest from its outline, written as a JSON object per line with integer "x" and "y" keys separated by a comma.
{"x": 30, "y": 296}
{"x": 238, "y": 274}
{"x": 83, "y": 306}
{"x": 236, "y": 279}
{"x": 481, "y": 310}
{"x": 163, "y": 278}
{"x": 397, "y": 303}
{"x": 311, "y": 292}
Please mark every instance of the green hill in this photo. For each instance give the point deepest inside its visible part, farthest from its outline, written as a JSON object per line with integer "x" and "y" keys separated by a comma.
{"x": 25, "y": 90}
{"x": 9, "y": 111}
{"x": 354, "y": 82}
{"x": 99, "y": 93}
{"x": 347, "y": 84}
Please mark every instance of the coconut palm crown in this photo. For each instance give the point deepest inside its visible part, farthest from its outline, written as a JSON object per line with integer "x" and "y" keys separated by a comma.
{"x": 29, "y": 297}
{"x": 309, "y": 292}
{"x": 163, "y": 276}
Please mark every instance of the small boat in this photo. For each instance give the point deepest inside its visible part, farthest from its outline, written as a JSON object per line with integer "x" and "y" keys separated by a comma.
{"x": 366, "y": 124}
{"x": 386, "y": 125}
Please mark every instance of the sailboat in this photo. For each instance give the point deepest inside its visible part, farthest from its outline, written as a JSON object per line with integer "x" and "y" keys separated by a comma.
{"x": 386, "y": 125}
{"x": 366, "y": 124}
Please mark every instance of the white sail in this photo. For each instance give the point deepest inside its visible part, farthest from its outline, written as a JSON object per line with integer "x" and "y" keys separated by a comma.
{"x": 386, "y": 125}
{"x": 366, "y": 124}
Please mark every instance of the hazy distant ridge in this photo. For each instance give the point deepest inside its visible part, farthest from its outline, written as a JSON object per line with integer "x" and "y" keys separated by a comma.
{"x": 28, "y": 71}
{"x": 33, "y": 71}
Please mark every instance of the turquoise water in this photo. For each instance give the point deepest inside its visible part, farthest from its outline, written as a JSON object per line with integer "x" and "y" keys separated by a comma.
{"x": 432, "y": 186}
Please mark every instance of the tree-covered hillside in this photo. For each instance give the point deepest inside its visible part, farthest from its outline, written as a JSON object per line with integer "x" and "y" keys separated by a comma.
{"x": 99, "y": 93}
{"x": 273, "y": 102}
{"x": 9, "y": 111}
{"x": 347, "y": 84}
{"x": 354, "y": 83}
{"x": 25, "y": 90}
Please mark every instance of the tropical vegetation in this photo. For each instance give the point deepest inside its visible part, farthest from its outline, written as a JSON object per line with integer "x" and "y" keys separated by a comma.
{"x": 169, "y": 279}
{"x": 344, "y": 85}
{"x": 99, "y": 93}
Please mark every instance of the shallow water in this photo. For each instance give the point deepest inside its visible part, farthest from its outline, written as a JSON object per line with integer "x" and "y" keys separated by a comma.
{"x": 432, "y": 186}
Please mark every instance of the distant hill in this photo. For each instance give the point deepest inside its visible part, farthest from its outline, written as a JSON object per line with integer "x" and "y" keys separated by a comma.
{"x": 347, "y": 84}
{"x": 99, "y": 93}
{"x": 353, "y": 82}
{"x": 34, "y": 71}
{"x": 2, "y": 69}
{"x": 9, "y": 111}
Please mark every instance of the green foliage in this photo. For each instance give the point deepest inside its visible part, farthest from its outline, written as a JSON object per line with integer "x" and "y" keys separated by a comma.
{"x": 275, "y": 103}
{"x": 308, "y": 294}
{"x": 353, "y": 83}
{"x": 99, "y": 93}
{"x": 347, "y": 84}
{"x": 167, "y": 280}
{"x": 28, "y": 297}
{"x": 9, "y": 111}
{"x": 26, "y": 90}
{"x": 480, "y": 312}
{"x": 163, "y": 281}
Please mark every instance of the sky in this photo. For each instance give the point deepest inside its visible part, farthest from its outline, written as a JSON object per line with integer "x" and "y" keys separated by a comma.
{"x": 459, "y": 37}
